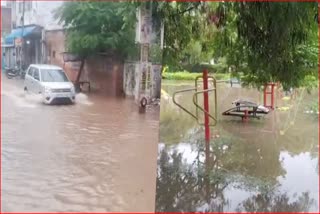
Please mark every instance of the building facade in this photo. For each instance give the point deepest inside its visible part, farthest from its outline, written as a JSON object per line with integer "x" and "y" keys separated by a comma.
{"x": 30, "y": 20}
{"x": 35, "y": 12}
{"x": 44, "y": 41}
{"x": 6, "y": 27}
{"x": 6, "y": 21}
{"x": 104, "y": 72}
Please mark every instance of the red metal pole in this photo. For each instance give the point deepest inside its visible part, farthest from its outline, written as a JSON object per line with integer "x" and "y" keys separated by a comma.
{"x": 206, "y": 105}
{"x": 246, "y": 117}
{"x": 272, "y": 96}
{"x": 265, "y": 96}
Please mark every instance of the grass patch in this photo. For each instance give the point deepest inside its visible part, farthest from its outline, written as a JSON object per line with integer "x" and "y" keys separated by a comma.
{"x": 191, "y": 76}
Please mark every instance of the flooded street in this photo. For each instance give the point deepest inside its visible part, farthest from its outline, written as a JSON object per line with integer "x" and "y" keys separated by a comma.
{"x": 266, "y": 165}
{"x": 98, "y": 155}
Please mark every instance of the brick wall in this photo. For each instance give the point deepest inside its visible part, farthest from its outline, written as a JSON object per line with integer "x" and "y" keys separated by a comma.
{"x": 55, "y": 46}
{"x": 105, "y": 73}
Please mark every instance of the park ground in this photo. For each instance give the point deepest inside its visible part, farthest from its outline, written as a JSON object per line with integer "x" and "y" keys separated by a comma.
{"x": 262, "y": 165}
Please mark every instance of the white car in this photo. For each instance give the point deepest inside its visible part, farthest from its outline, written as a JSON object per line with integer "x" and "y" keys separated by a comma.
{"x": 51, "y": 82}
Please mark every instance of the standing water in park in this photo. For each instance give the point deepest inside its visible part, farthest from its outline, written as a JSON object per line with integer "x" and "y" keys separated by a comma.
{"x": 248, "y": 147}
{"x": 263, "y": 164}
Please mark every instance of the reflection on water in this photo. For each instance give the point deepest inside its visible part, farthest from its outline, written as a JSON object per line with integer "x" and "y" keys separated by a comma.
{"x": 76, "y": 157}
{"x": 267, "y": 165}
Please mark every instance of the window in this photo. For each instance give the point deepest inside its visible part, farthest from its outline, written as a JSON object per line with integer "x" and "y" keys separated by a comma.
{"x": 28, "y": 6}
{"x": 53, "y": 54}
{"x": 30, "y": 71}
{"x": 36, "y": 74}
{"x": 20, "y": 7}
{"x": 53, "y": 75}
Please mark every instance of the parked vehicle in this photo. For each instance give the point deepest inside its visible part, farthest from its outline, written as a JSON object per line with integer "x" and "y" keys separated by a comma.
{"x": 12, "y": 72}
{"x": 51, "y": 82}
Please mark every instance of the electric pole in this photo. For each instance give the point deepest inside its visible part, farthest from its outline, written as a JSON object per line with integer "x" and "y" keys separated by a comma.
{"x": 22, "y": 40}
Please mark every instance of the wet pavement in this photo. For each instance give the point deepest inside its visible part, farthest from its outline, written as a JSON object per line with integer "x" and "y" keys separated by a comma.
{"x": 266, "y": 165}
{"x": 98, "y": 155}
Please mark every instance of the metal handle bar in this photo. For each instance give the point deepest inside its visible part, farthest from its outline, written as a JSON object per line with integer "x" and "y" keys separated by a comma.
{"x": 175, "y": 102}
{"x": 195, "y": 100}
{"x": 214, "y": 83}
{"x": 202, "y": 109}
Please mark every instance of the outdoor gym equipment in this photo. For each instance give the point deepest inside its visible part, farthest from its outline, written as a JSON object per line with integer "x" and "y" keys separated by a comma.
{"x": 271, "y": 93}
{"x": 205, "y": 110}
{"x": 244, "y": 109}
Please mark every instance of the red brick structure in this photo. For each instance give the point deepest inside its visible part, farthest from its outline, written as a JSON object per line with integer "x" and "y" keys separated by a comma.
{"x": 104, "y": 72}
{"x": 55, "y": 46}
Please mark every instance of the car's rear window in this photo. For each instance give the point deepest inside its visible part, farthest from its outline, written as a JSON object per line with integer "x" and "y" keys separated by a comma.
{"x": 53, "y": 75}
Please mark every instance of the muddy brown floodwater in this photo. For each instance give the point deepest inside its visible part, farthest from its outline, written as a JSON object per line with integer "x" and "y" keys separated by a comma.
{"x": 97, "y": 155}
{"x": 266, "y": 165}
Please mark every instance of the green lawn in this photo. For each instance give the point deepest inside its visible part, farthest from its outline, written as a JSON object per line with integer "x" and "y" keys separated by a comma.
{"x": 191, "y": 76}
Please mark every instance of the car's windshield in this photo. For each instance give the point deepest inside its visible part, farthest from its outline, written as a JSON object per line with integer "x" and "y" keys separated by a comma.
{"x": 53, "y": 75}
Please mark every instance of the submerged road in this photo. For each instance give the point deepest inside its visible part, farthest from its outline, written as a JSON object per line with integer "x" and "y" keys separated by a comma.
{"x": 98, "y": 155}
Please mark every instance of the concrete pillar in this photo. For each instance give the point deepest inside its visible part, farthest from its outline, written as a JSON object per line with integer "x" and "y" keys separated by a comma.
{"x": 144, "y": 32}
{"x": 43, "y": 54}
{"x": 36, "y": 51}
{"x": 147, "y": 72}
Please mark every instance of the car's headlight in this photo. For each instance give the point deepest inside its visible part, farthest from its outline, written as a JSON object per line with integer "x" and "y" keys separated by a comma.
{"x": 47, "y": 90}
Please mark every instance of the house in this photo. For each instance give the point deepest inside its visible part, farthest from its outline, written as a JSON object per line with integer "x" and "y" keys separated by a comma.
{"x": 35, "y": 12}
{"x": 26, "y": 40}
{"x": 30, "y": 20}
{"x": 38, "y": 37}
{"x": 6, "y": 21}
{"x": 6, "y": 25}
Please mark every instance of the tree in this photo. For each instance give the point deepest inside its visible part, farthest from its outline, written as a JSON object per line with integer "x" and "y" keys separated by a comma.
{"x": 183, "y": 23}
{"x": 265, "y": 41}
{"x": 96, "y": 27}
{"x": 269, "y": 41}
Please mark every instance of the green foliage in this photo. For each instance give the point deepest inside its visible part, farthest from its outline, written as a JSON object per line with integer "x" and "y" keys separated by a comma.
{"x": 270, "y": 41}
{"x": 314, "y": 107}
{"x": 267, "y": 41}
{"x": 94, "y": 27}
{"x": 310, "y": 82}
{"x": 180, "y": 76}
{"x": 183, "y": 24}
{"x": 215, "y": 68}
